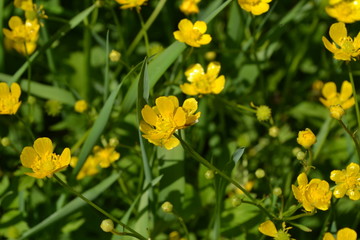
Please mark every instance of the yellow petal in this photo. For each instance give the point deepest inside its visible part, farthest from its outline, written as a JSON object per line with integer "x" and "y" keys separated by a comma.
{"x": 190, "y": 105}
{"x": 329, "y": 90}
{"x": 189, "y": 89}
{"x": 179, "y": 36}
{"x": 65, "y": 158}
{"x": 171, "y": 143}
{"x": 201, "y": 26}
{"x": 4, "y": 89}
{"x": 348, "y": 104}
{"x": 180, "y": 117}
{"x": 302, "y": 179}
{"x": 43, "y": 146}
{"x": 149, "y": 115}
{"x": 15, "y": 90}
{"x": 260, "y": 9}
{"x": 346, "y": 91}
{"x": 213, "y": 69}
{"x": 28, "y": 157}
{"x": 352, "y": 169}
{"x": 329, "y": 46}
{"x": 185, "y": 25}
{"x": 8, "y": 33}
{"x": 15, "y": 22}
{"x": 194, "y": 72}
{"x": 204, "y": 39}
{"x": 37, "y": 174}
{"x": 268, "y": 228}
{"x": 145, "y": 128}
{"x": 328, "y": 236}
{"x": 165, "y": 106}
{"x": 174, "y": 100}
{"x": 337, "y": 32}
{"x": 353, "y": 194}
{"x": 346, "y": 234}
{"x": 218, "y": 85}
{"x": 340, "y": 190}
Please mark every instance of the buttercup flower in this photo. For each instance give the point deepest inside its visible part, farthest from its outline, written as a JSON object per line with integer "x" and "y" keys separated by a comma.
{"x": 189, "y": 6}
{"x": 101, "y": 158}
{"x": 268, "y": 228}
{"x": 26, "y": 5}
{"x": 313, "y": 194}
{"x": 306, "y": 138}
{"x": 23, "y": 34}
{"x": 342, "y": 234}
{"x": 9, "y": 98}
{"x": 336, "y": 111}
{"x": 256, "y": 7}
{"x": 344, "y": 47}
{"x": 80, "y": 106}
{"x": 332, "y": 97}
{"x": 347, "y": 11}
{"x": 162, "y": 120}
{"x": 201, "y": 82}
{"x": 347, "y": 182}
{"x": 192, "y": 34}
{"x": 131, "y": 3}
{"x": 41, "y": 159}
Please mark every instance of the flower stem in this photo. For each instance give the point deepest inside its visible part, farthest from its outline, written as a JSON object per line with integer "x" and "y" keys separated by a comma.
{"x": 133, "y": 232}
{"x": 182, "y": 223}
{"x": 207, "y": 164}
{"x": 355, "y": 95}
{"x": 146, "y": 39}
{"x": 356, "y": 141}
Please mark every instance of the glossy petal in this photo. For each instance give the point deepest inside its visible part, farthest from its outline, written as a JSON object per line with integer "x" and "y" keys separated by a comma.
{"x": 165, "y": 106}
{"x": 189, "y": 89}
{"x": 346, "y": 234}
{"x": 218, "y": 85}
{"x": 205, "y": 39}
{"x": 43, "y": 146}
{"x": 15, "y": 90}
{"x": 213, "y": 69}
{"x": 328, "y": 236}
{"x": 353, "y": 169}
{"x": 185, "y": 25}
{"x": 190, "y": 105}
{"x": 15, "y": 22}
{"x": 201, "y": 26}
{"x": 329, "y": 46}
{"x": 268, "y": 228}
{"x": 65, "y": 157}
{"x": 28, "y": 157}
{"x": 194, "y": 72}
{"x": 337, "y": 32}
{"x": 180, "y": 117}
{"x": 329, "y": 90}
{"x": 149, "y": 115}
{"x": 171, "y": 143}
{"x": 346, "y": 91}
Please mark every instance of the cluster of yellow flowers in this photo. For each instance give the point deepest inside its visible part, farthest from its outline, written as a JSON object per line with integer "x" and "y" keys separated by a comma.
{"x": 101, "y": 158}
{"x": 23, "y": 36}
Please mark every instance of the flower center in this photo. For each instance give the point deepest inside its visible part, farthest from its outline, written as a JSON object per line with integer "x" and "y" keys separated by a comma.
{"x": 347, "y": 45}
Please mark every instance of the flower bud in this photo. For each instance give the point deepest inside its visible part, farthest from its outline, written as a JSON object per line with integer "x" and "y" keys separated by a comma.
{"x": 31, "y": 100}
{"x": 260, "y": 173}
{"x": 114, "y": 56}
{"x": 5, "y": 141}
{"x": 167, "y": 207}
{"x": 113, "y": 142}
{"x": 107, "y": 225}
{"x": 263, "y": 113}
{"x": 81, "y": 106}
{"x": 53, "y": 107}
{"x": 274, "y": 131}
{"x": 300, "y": 155}
{"x": 306, "y": 138}
{"x": 235, "y": 201}
{"x": 336, "y": 111}
{"x": 209, "y": 174}
{"x": 210, "y": 55}
{"x": 277, "y": 191}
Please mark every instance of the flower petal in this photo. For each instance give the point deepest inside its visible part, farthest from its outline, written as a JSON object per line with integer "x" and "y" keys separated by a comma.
{"x": 15, "y": 90}
{"x": 201, "y": 26}
{"x": 43, "y": 146}
{"x": 213, "y": 69}
{"x": 346, "y": 91}
{"x": 302, "y": 179}
{"x": 328, "y": 236}
{"x": 149, "y": 115}
{"x": 171, "y": 143}
{"x": 218, "y": 85}
{"x": 190, "y": 105}
{"x": 15, "y": 22}
{"x": 28, "y": 157}
{"x": 65, "y": 158}
{"x": 189, "y": 89}
{"x": 180, "y": 117}
{"x": 165, "y": 106}
{"x": 194, "y": 72}
{"x": 337, "y": 32}
{"x": 329, "y": 90}
{"x": 185, "y": 25}
{"x": 268, "y": 228}
{"x": 346, "y": 234}
{"x": 204, "y": 39}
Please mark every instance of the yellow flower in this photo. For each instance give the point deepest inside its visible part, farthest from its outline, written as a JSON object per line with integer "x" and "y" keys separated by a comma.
{"x": 315, "y": 194}
{"x": 192, "y": 34}
{"x": 189, "y": 6}
{"x": 344, "y": 47}
{"x": 23, "y": 34}
{"x": 268, "y": 228}
{"x": 306, "y": 138}
{"x": 344, "y": 11}
{"x": 131, "y": 3}
{"x": 256, "y": 7}
{"x": 347, "y": 182}
{"x": 41, "y": 159}
{"x": 332, "y": 97}
{"x": 105, "y": 156}
{"x": 161, "y": 121}
{"x": 81, "y": 106}
{"x": 9, "y": 98}
{"x": 342, "y": 234}
{"x": 201, "y": 82}
{"x": 114, "y": 56}
{"x": 336, "y": 111}
{"x": 263, "y": 113}
{"x": 89, "y": 168}
{"x": 26, "y": 5}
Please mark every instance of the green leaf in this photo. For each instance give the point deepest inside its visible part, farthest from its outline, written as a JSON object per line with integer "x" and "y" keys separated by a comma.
{"x": 238, "y": 154}
{"x": 72, "y": 206}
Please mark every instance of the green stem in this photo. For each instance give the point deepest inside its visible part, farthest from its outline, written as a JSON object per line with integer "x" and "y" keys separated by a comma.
{"x": 355, "y": 96}
{"x": 28, "y": 129}
{"x": 309, "y": 161}
{"x": 133, "y": 232}
{"x": 306, "y": 214}
{"x": 356, "y": 141}
{"x": 207, "y": 164}
{"x": 144, "y": 30}
{"x": 182, "y": 223}
{"x": 146, "y": 26}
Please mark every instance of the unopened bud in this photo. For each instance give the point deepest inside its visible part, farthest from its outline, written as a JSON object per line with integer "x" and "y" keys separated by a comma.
{"x": 274, "y": 131}
{"x": 235, "y": 201}
{"x": 263, "y": 113}
{"x": 277, "y": 191}
{"x": 107, "y": 225}
{"x": 167, "y": 207}
{"x": 336, "y": 111}
{"x": 5, "y": 141}
{"x": 300, "y": 155}
{"x": 260, "y": 173}
{"x": 209, "y": 174}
